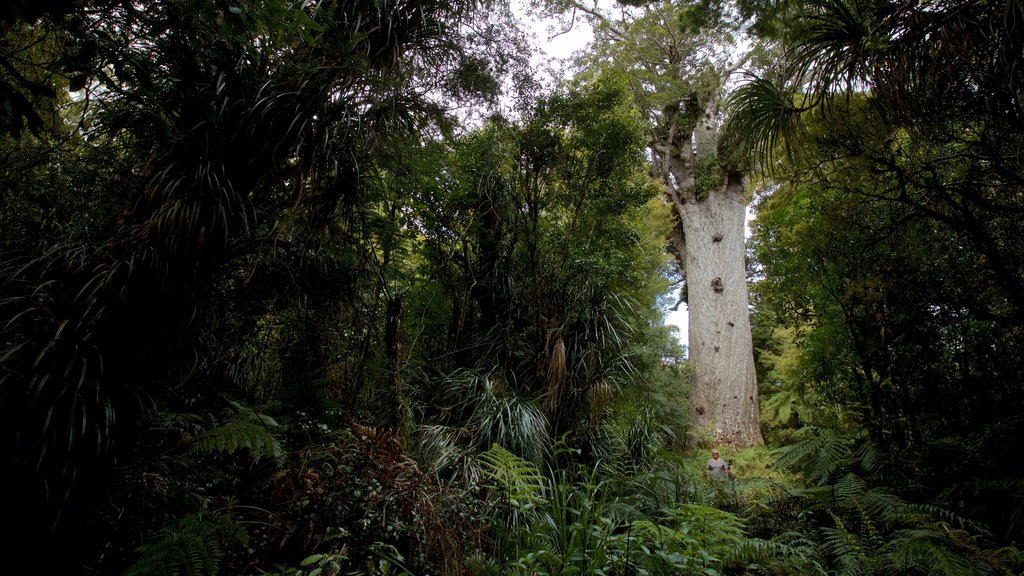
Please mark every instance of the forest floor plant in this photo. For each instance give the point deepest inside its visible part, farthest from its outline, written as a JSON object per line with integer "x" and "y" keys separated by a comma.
{"x": 844, "y": 514}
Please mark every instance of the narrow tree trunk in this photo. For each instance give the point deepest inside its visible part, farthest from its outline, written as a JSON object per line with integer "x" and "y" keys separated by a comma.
{"x": 393, "y": 347}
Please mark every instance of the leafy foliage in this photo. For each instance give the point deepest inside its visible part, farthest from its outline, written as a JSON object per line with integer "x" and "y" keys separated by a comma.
{"x": 215, "y": 212}
{"x": 190, "y": 546}
{"x": 518, "y": 484}
{"x": 690, "y": 538}
{"x": 237, "y": 436}
{"x": 865, "y": 527}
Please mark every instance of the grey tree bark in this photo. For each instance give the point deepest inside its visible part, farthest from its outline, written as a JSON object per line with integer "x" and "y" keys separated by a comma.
{"x": 709, "y": 202}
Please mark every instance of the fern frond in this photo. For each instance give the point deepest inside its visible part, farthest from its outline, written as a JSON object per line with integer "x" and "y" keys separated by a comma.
{"x": 881, "y": 504}
{"x": 869, "y": 458}
{"x": 936, "y": 552}
{"x": 937, "y": 514}
{"x": 779, "y": 407}
{"x": 849, "y": 488}
{"x": 822, "y": 456}
{"x": 846, "y": 549}
{"x": 515, "y": 478}
{"x": 651, "y": 531}
{"x": 792, "y": 550}
{"x": 191, "y": 546}
{"x": 237, "y": 436}
{"x": 794, "y": 455}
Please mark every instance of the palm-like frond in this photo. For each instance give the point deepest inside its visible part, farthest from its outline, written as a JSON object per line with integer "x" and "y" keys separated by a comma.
{"x": 494, "y": 414}
{"x": 837, "y": 44}
{"x": 441, "y": 448}
{"x": 512, "y": 421}
{"x": 764, "y": 118}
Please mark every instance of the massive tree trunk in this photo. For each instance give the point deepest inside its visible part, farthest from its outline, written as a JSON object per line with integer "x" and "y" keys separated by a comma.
{"x": 723, "y": 396}
{"x": 710, "y": 207}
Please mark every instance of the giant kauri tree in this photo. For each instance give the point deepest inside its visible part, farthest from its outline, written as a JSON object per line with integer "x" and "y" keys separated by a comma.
{"x": 680, "y": 58}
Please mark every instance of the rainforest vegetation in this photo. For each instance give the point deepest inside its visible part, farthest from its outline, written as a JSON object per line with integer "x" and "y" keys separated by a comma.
{"x": 346, "y": 287}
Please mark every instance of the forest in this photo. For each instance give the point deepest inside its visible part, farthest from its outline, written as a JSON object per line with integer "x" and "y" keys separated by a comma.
{"x": 351, "y": 287}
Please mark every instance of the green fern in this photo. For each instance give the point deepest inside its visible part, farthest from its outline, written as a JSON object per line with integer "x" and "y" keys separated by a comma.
{"x": 786, "y": 553}
{"x": 880, "y": 503}
{"x": 937, "y": 515}
{"x": 824, "y": 455}
{"x": 936, "y": 541}
{"x": 780, "y": 406}
{"x": 518, "y": 499}
{"x": 922, "y": 549}
{"x": 689, "y": 538}
{"x": 875, "y": 531}
{"x": 516, "y": 479}
{"x": 849, "y": 488}
{"x": 846, "y": 549}
{"x": 237, "y": 436}
{"x": 191, "y": 546}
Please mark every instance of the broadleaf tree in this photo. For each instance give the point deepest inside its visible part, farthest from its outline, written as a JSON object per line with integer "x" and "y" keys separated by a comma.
{"x": 535, "y": 234}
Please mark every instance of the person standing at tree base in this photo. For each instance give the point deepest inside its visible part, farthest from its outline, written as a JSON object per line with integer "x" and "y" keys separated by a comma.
{"x": 718, "y": 468}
